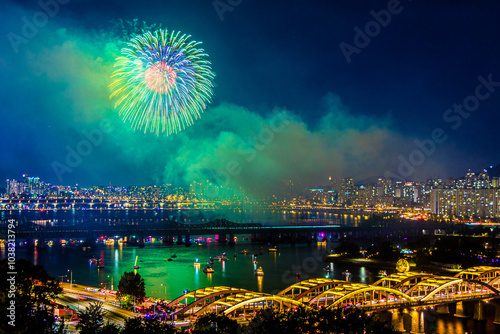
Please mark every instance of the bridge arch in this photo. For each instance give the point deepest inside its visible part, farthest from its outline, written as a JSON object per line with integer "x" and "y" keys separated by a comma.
{"x": 458, "y": 282}
{"x": 206, "y": 293}
{"x": 402, "y": 280}
{"x": 229, "y": 301}
{"x": 321, "y": 288}
{"x": 371, "y": 288}
{"x": 203, "y": 300}
{"x": 306, "y": 285}
{"x": 271, "y": 298}
{"x": 495, "y": 282}
{"x": 480, "y": 273}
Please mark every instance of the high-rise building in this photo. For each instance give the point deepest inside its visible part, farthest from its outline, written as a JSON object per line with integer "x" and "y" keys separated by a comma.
{"x": 466, "y": 202}
{"x": 495, "y": 182}
{"x": 344, "y": 190}
{"x": 13, "y": 187}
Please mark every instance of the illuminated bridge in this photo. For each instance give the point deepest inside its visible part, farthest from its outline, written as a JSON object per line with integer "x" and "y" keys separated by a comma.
{"x": 411, "y": 291}
{"x": 169, "y": 229}
{"x": 101, "y": 203}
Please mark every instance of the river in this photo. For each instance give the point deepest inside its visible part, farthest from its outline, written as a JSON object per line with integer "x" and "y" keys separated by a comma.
{"x": 172, "y": 278}
{"x": 142, "y": 216}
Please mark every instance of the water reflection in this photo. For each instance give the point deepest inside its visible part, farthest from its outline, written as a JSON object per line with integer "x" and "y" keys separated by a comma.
{"x": 67, "y": 215}
{"x": 260, "y": 283}
{"x": 180, "y": 274}
{"x": 362, "y": 275}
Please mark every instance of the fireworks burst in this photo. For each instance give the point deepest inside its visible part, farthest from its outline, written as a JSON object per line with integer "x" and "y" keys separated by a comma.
{"x": 162, "y": 82}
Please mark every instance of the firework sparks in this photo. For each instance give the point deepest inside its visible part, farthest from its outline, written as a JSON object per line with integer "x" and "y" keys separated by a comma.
{"x": 162, "y": 82}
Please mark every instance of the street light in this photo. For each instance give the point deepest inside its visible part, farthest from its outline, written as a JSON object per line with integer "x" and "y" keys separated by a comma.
{"x": 164, "y": 285}
{"x": 62, "y": 276}
{"x": 111, "y": 282}
{"x": 71, "y": 279}
{"x": 103, "y": 291}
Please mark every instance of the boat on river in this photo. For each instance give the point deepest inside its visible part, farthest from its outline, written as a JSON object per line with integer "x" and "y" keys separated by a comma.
{"x": 208, "y": 270}
{"x": 136, "y": 266}
{"x": 259, "y": 272}
{"x": 222, "y": 257}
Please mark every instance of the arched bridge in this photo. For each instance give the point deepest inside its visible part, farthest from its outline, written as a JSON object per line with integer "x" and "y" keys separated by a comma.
{"x": 400, "y": 290}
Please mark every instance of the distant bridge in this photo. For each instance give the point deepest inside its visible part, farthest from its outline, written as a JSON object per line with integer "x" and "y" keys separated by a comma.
{"x": 88, "y": 203}
{"x": 219, "y": 227}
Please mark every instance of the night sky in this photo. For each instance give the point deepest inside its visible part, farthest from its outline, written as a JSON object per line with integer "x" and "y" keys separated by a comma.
{"x": 354, "y": 113}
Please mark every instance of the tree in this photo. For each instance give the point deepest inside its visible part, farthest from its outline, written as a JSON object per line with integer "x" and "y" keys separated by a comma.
{"x": 30, "y": 292}
{"x": 133, "y": 285}
{"x": 149, "y": 324}
{"x": 91, "y": 319}
{"x": 353, "y": 320}
{"x": 301, "y": 320}
{"x": 267, "y": 321}
{"x": 215, "y": 323}
{"x": 324, "y": 320}
{"x": 110, "y": 329}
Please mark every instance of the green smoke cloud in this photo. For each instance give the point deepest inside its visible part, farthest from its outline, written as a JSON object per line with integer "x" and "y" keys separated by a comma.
{"x": 236, "y": 149}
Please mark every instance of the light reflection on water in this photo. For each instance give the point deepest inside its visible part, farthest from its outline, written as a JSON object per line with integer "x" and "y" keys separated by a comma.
{"x": 260, "y": 280}
{"x": 140, "y": 216}
{"x": 280, "y": 270}
{"x": 449, "y": 324}
{"x": 362, "y": 275}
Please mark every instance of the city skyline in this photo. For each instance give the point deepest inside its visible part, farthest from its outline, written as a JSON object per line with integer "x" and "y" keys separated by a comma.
{"x": 488, "y": 171}
{"x": 302, "y": 93}
{"x": 473, "y": 196}
{"x": 346, "y": 152}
